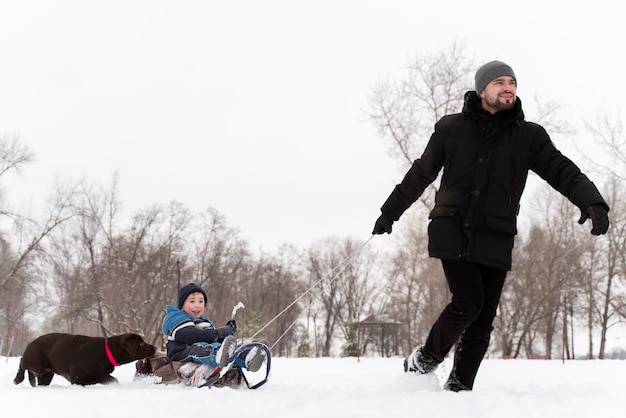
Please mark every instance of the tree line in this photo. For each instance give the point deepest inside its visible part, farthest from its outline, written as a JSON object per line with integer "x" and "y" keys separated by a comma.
{"x": 83, "y": 269}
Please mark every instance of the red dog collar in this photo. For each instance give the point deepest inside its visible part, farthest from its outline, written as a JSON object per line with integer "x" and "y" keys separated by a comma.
{"x": 109, "y": 354}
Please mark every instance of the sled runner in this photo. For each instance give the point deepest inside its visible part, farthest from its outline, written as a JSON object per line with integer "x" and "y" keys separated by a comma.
{"x": 232, "y": 365}
{"x": 233, "y": 374}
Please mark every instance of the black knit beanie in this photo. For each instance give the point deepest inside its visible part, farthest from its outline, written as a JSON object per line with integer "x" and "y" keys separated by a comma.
{"x": 188, "y": 289}
{"x": 488, "y": 72}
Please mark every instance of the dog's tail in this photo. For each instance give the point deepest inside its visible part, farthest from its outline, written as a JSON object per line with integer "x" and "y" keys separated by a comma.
{"x": 19, "y": 377}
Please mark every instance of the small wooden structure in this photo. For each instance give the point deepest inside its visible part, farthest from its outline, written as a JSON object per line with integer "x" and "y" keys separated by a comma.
{"x": 381, "y": 332}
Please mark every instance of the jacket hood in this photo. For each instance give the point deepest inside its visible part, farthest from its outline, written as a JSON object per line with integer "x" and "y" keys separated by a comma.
{"x": 472, "y": 106}
{"x": 174, "y": 317}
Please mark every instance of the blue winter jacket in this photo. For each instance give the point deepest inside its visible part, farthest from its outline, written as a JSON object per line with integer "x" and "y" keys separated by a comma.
{"x": 183, "y": 330}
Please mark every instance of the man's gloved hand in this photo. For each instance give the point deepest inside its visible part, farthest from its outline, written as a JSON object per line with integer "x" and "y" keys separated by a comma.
{"x": 599, "y": 218}
{"x": 382, "y": 225}
{"x": 391, "y": 210}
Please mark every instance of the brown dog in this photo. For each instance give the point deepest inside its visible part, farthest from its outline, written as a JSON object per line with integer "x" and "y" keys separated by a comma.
{"x": 80, "y": 359}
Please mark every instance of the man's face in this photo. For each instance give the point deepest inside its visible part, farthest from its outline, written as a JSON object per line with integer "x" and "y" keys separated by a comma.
{"x": 499, "y": 94}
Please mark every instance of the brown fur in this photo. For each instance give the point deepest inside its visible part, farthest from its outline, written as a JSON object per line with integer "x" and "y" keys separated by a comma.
{"x": 80, "y": 359}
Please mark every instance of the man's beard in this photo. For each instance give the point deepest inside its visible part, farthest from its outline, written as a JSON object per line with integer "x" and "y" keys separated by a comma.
{"x": 498, "y": 104}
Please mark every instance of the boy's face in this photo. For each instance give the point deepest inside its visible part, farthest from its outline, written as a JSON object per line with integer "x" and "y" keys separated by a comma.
{"x": 194, "y": 304}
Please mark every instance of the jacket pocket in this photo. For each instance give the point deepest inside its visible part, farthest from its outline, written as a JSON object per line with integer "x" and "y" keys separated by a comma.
{"x": 439, "y": 211}
{"x": 503, "y": 225}
{"x": 446, "y": 237}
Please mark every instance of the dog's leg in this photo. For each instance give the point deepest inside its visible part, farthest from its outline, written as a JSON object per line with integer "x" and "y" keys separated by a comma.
{"x": 110, "y": 380}
{"x": 19, "y": 377}
{"x": 32, "y": 379}
{"x": 44, "y": 378}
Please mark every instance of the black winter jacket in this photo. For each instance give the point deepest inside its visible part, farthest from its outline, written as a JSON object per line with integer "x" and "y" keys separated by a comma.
{"x": 485, "y": 160}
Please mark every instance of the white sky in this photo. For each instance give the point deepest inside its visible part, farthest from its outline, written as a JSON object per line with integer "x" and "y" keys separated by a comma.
{"x": 257, "y": 108}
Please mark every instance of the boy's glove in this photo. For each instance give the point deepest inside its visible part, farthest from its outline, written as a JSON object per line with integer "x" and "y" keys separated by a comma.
{"x": 232, "y": 324}
{"x": 229, "y": 329}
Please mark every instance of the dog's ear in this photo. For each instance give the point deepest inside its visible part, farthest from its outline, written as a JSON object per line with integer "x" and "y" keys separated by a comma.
{"x": 130, "y": 343}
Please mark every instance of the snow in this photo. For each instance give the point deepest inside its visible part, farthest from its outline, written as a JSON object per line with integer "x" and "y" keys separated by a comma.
{"x": 341, "y": 387}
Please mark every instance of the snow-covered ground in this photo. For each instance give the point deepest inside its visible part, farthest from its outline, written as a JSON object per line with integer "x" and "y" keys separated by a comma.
{"x": 332, "y": 387}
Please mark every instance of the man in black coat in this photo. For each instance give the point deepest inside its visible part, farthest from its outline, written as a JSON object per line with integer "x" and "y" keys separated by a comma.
{"x": 485, "y": 152}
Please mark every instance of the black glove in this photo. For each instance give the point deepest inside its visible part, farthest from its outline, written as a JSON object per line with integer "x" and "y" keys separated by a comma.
{"x": 391, "y": 210}
{"x": 599, "y": 218}
{"x": 227, "y": 329}
{"x": 382, "y": 225}
{"x": 232, "y": 324}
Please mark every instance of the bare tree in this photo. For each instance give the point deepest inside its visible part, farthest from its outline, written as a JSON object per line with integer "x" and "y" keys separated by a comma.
{"x": 21, "y": 244}
{"x": 340, "y": 277}
{"x": 13, "y": 154}
{"x": 415, "y": 286}
{"x": 546, "y": 265}
{"x": 606, "y": 267}
{"x": 325, "y": 264}
{"x": 550, "y": 115}
{"x": 608, "y": 134}
{"x": 270, "y": 290}
{"x": 220, "y": 257}
{"x": 109, "y": 279}
{"x": 359, "y": 288}
{"x": 140, "y": 268}
{"x": 604, "y": 281}
{"x": 405, "y": 111}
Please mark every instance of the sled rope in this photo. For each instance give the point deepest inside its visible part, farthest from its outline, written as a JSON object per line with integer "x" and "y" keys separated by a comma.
{"x": 283, "y": 334}
{"x": 333, "y": 276}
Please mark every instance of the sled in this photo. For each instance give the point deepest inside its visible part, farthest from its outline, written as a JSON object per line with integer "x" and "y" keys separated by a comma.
{"x": 230, "y": 366}
{"x": 230, "y": 375}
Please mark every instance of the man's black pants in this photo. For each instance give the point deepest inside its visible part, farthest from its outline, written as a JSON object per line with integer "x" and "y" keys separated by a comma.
{"x": 476, "y": 291}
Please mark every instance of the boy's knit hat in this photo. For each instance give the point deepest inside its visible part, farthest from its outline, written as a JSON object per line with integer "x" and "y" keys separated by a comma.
{"x": 188, "y": 289}
{"x": 491, "y": 71}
